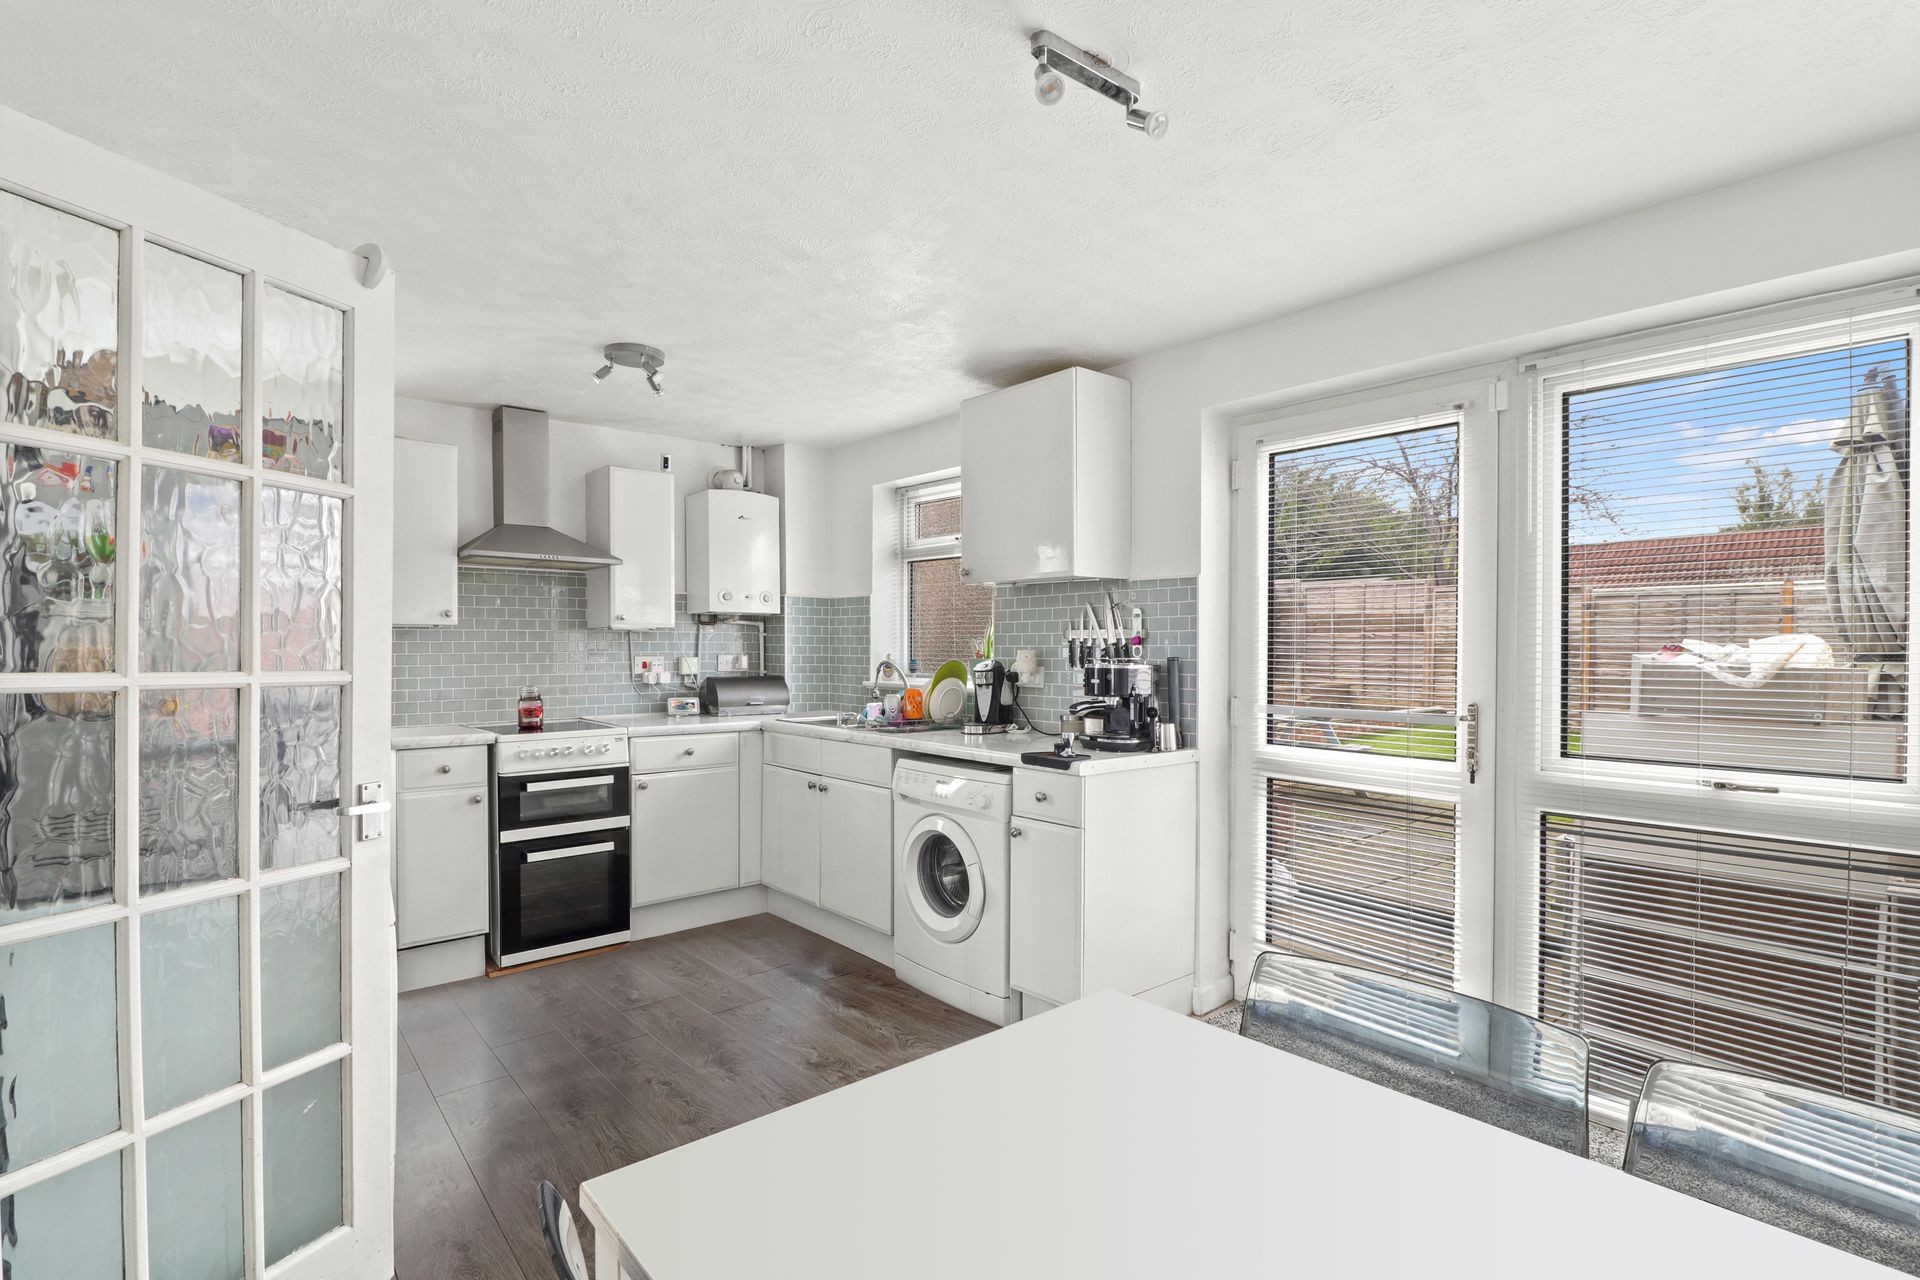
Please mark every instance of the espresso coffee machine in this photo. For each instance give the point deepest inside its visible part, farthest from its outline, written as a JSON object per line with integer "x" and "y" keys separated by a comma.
{"x": 992, "y": 698}
{"x": 1127, "y": 690}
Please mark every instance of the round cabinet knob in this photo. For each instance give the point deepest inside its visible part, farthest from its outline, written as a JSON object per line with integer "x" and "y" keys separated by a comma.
{"x": 766, "y": 597}
{"x": 446, "y": 768}
{"x": 1040, "y": 797}
{"x": 477, "y": 800}
{"x": 966, "y": 572}
{"x": 726, "y": 595}
{"x": 687, "y": 752}
{"x": 1014, "y": 832}
{"x": 813, "y": 786}
{"x": 446, "y": 613}
{"x": 823, "y": 788}
{"x": 619, "y": 617}
{"x": 639, "y": 784}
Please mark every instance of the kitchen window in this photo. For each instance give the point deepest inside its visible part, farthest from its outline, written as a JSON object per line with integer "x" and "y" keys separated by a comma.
{"x": 942, "y": 615}
{"x": 1711, "y": 842}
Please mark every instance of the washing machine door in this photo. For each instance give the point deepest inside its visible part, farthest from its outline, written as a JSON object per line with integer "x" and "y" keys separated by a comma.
{"x": 940, "y": 870}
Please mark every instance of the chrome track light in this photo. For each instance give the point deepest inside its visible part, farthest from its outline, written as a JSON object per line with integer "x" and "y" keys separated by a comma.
{"x": 633, "y": 355}
{"x": 1061, "y": 60}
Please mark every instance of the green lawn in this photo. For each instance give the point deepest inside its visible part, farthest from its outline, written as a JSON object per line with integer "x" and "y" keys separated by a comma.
{"x": 1422, "y": 742}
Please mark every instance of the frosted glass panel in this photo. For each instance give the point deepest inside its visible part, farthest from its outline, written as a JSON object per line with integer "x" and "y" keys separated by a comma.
{"x": 59, "y": 318}
{"x": 193, "y": 1199}
{"x": 190, "y": 1002}
{"x": 59, "y": 1065}
{"x": 189, "y": 787}
{"x": 299, "y": 775}
{"x": 299, "y": 968}
{"x": 57, "y": 560}
{"x": 56, "y": 803}
{"x": 191, "y": 347}
{"x": 303, "y": 378}
{"x": 303, "y": 1159}
{"x": 68, "y": 1227}
{"x": 299, "y": 585}
{"x": 189, "y": 572}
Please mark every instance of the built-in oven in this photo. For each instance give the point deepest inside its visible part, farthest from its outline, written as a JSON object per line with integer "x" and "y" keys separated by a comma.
{"x": 562, "y": 866}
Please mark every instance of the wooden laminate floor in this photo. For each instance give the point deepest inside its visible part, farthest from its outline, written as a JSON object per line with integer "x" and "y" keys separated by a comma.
{"x": 570, "y": 1071}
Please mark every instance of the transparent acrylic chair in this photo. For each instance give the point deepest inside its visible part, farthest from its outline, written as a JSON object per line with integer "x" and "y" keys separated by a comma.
{"x": 563, "y": 1237}
{"x": 1842, "y": 1172}
{"x": 1468, "y": 1055}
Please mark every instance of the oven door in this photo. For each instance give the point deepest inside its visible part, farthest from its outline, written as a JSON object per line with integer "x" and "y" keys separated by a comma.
{"x": 561, "y": 890}
{"x": 545, "y": 799}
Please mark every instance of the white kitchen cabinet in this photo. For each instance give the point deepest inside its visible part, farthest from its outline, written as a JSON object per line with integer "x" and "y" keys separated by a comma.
{"x": 442, "y": 846}
{"x": 1043, "y": 945}
{"x": 733, "y": 552}
{"x": 630, "y": 514}
{"x": 686, "y": 833}
{"x": 1048, "y": 473}
{"x": 1102, "y": 883}
{"x": 790, "y": 832}
{"x": 426, "y": 534}
{"x": 856, "y": 852}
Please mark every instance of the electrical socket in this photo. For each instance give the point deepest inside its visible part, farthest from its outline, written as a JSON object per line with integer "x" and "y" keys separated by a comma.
{"x": 643, "y": 668}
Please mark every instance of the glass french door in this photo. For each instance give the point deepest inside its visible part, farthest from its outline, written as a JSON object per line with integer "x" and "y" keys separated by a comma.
{"x": 195, "y": 945}
{"x": 1363, "y": 628}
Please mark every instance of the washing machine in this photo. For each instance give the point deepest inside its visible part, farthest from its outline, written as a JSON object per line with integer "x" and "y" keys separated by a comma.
{"x": 950, "y": 877}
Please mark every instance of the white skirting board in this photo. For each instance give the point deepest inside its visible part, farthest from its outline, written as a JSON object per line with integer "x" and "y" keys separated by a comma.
{"x": 439, "y": 963}
{"x": 691, "y": 913}
{"x": 1208, "y": 996}
{"x": 870, "y": 943}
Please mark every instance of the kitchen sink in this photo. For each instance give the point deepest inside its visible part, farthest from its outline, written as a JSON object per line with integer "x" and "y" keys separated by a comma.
{"x": 925, "y": 726}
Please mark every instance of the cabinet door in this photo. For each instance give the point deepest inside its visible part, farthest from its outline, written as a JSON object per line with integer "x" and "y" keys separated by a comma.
{"x": 686, "y": 833}
{"x": 1016, "y": 450}
{"x": 426, "y": 534}
{"x": 790, "y": 835}
{"x": 440, "y": 865}
{"x": 631, "y": 514}
{"x": 856, "y": 852}
{"x": 1043, "y": 945}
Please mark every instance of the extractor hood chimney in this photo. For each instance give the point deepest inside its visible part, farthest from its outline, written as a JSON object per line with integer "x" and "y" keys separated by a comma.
{"x": 521, "y": 537}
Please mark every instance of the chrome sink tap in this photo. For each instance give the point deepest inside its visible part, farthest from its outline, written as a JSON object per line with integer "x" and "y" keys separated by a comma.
{"x": 879, "y": 690}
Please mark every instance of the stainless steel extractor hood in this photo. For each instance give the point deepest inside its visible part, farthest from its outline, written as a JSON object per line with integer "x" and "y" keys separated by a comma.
{"x": 521, "y": 537}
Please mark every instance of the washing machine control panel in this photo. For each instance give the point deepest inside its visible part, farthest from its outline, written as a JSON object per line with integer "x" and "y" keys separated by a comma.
{"x": 978, "y": 791}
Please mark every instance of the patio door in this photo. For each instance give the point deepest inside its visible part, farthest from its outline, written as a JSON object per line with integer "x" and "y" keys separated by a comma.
{"x": 1363, "y": 629}
{"x": 196, "y": 945}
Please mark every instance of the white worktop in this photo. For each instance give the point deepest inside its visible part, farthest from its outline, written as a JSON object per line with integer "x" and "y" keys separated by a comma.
{"x": 1002, "y": 750}
{"x": 1112, "y": 1139}
{"x": 412, "y": 737}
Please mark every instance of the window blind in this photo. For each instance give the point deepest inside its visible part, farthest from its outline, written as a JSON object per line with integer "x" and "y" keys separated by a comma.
{"x": 1360, "y": 877}
{"x": 1362, "y": 581}
{"x": 1790, "y": 959}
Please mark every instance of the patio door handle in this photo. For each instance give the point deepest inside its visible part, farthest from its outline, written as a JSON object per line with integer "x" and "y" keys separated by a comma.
{"x": 1470, "y": 754}
{"x": 1720, "y": 784}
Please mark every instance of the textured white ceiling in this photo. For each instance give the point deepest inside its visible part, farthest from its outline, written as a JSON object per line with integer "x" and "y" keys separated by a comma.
{"x": 839, "y": 216}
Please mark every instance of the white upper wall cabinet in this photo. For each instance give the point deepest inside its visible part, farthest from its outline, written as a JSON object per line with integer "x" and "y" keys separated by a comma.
{"x": 426, "y": 534}
{"x": 1047, "y": 472}
{"x": 733, "y": 552}
{"x": 630, "y": 515}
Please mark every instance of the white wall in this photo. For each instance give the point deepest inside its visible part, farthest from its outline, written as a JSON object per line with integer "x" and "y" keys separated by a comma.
{"x": 915, "y": 453}
{"x": 577, "y": 448}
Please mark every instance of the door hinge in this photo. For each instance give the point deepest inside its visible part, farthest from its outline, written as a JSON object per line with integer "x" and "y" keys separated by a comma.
{"x": 1236, "y": 474}
{"x": 1470, "y": 749}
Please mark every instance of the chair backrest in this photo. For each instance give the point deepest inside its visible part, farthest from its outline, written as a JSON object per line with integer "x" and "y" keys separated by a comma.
{"x": 563, "y": 1237}
{"x": 1843, "y": 1172}
{"x": 1468, "y": 1055}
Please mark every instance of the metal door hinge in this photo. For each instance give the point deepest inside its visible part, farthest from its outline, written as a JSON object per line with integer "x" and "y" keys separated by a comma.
{"x": 373, "y": 803}
{"x": 1470, "y": 750}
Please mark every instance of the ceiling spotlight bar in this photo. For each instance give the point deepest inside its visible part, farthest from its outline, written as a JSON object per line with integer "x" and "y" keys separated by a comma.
{"x": 1057, "y": 61}
{"x": 633, "y": 355}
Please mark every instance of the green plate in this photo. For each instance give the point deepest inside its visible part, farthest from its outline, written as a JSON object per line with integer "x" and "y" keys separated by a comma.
{"x": 952, "y": 669}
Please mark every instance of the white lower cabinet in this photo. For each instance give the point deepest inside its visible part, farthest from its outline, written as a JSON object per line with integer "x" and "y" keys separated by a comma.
{"x": 1043, "y": 945}
{"x": 790, "y": 832}
{"x": 828, "y": 841}
{"x": 442, "y": 845}
{"x": 686, "y": 833}
{"x": 856, "y": 852}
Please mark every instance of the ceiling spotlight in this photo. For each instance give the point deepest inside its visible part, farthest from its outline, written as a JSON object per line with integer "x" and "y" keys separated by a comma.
{"x": 1060, "y": 60}
{"x": 633, "y": 355}
{"x": 1048, "y": 85}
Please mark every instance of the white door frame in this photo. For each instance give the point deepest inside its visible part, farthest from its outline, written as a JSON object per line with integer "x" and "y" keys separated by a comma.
{"x": 1473, "y": 398}
{"x": 55, "y": 168}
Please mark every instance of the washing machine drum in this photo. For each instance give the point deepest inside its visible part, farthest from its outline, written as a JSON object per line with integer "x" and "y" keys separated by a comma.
{"x": 941, "y": 873}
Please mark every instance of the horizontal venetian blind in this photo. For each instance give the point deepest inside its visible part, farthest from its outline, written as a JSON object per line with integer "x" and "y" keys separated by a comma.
{"x": 1734, "y": 570}
{"x": 1789, "y": 959}
{"x": 1362, "y": 594}
{"x": 1360, "y": 877}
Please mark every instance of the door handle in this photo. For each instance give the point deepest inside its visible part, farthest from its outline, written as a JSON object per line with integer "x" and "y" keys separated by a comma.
{"x": 571, "y": 784}
{"x": 639, "y": 784}
{"x": 1014, "y": 832}
{"x": 823, "y": 788}
{"x": 373, "y": 803}
{"x": 1718, "y": 784}
{"x": 813, "y": 786}
{"x": 572, "y": 851}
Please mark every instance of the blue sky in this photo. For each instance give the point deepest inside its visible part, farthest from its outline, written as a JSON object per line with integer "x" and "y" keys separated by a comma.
{"x": 1670, "y": 452}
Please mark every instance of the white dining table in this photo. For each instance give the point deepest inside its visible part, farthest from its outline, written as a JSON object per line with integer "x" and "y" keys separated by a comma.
{"x": 1112, "y": 1139}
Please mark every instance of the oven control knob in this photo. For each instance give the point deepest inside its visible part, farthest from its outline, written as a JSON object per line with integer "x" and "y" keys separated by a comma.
{"x": 520, "y": 754}
{"x": 566, "y": 751}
